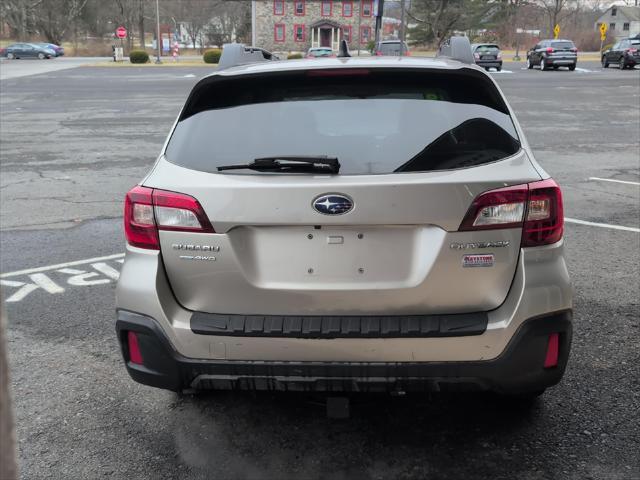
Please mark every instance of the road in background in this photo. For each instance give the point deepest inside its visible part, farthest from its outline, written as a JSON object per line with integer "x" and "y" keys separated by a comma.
{"x": 68, "y": 159}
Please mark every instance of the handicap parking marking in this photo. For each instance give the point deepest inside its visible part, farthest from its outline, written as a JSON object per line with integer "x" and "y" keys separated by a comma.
{"x": 96, "y": 271}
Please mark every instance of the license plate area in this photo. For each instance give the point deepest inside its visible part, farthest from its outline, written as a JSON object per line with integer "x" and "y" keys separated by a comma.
{"x": 331, "y": 257}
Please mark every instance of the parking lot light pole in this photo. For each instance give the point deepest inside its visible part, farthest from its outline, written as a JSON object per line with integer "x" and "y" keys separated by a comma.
{"x": 158, "y": 39}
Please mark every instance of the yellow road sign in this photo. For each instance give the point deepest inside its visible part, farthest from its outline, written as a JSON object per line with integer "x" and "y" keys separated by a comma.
{"x": 603, "y": 29}
{"x": 556, "y": 31}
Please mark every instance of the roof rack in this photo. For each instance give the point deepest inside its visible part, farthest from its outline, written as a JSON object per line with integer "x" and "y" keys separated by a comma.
{"x": 234, "y": 54}
{"x": 457, "y": 48}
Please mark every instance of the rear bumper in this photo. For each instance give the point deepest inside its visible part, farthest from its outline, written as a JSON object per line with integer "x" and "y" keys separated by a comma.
{"x": 560, "y": 61}
{"x": 518, "y": 369}
{"x": 489, "y": 63}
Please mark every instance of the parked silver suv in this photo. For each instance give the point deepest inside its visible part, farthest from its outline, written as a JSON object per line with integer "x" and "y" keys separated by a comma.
{"x": 353, "y": 224}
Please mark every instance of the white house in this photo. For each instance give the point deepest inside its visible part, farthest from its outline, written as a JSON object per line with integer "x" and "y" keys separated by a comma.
{"x": 622, "y": 21}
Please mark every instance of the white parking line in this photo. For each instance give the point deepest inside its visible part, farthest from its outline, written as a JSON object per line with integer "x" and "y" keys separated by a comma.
{"x": 601, "y": 225}
{"x": 60, "y": 265}
{"x": 627, "y": 182}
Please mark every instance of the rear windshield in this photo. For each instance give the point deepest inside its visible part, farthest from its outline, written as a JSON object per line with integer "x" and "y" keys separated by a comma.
{"x": 562, "y": 45}
{"x": 487, "y": 49}
{"x": 392, "y": 48}
{"x": 374, "y": 122}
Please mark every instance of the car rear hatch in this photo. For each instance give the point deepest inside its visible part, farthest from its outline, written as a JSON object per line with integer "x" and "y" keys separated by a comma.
{"x": 487, "y": 53}
{"x": 382, "y": 236}
{"x": 563, "y": 50}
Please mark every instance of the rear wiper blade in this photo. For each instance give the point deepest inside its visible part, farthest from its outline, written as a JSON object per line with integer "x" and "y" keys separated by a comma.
{"x": 284, "y": 163}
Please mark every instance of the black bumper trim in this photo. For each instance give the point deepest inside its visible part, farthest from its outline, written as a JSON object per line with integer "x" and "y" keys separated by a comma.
{"x": 406, "y": 326}
{"x": 519, "y": 369}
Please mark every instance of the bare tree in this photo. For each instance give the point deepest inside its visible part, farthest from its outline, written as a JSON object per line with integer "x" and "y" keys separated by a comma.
{"x": 17, "y": 15}
{"x": 53, "y": 18}
{"x": 558, "y": 10}
{"x": 437, "y": 19}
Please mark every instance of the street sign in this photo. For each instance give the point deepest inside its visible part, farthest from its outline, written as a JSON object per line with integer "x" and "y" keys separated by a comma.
{"x": 603, "y": 31}
{"x": 121, "y": 32}
{"x": 556, "y": 31}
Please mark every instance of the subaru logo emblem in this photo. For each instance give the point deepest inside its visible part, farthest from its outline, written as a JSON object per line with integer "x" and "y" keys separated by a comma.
{"x": 333, "y": 204}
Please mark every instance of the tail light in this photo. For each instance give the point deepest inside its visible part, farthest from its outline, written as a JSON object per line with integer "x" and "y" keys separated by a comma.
{"x": 535, "y": 207}
{"x": 631, "y": 50}
{"x": 378, "y": 53}
{"x": 499, "y": 56}
{"x": 147, "y": 210}
{"x": 549, "y": 50}
{"x": 476, "y": 55}
{"x": 574, "y": 50}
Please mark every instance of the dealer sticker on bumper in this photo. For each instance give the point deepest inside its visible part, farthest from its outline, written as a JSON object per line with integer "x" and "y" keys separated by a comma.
{"x": 484, "y": 260}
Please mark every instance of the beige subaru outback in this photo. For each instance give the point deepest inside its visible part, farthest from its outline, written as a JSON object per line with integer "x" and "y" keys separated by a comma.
{"x": 345, "y": 224}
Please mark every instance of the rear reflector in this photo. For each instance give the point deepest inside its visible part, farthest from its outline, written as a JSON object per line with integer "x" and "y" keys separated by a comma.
{"x": 134, "y": 349}
{"x": 148, "y": 210}
{"x": 551, "y": 360}
{"x": 535, "y": 207}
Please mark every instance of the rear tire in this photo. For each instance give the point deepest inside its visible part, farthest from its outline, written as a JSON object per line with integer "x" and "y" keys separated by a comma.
{"x": 621, "y": 64}
{"x": 498, "y": 69}
{"x": 556, "y": 67}
{"x": 529, "y": 64}
{"x": 41, "y": 56}
{"x": 604, "y": 62}
{"x": 572, "y": 67}
{"x": 543, "y": 66}
{"x": 10, "y": 56}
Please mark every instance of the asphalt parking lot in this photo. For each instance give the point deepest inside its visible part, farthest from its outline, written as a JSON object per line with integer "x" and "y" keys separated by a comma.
{"x": 73, "y": 141}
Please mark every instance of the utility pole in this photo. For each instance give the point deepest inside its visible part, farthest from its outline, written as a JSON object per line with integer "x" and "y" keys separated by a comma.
{"x": 403, "y": 34}
{"x": 158, "y": 39}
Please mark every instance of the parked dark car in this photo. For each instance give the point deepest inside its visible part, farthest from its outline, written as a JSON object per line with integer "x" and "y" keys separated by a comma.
{"x": 625, "y": 53}
{"x": 392, "y": 48}
{"x": 487, "y": 55}
{"x": 26, "y": 50}
{"x": 52, "y": 46}
{"x": 553, "y": 54}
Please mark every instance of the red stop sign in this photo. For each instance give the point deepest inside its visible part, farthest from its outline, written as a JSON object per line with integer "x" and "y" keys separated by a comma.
{"x": 121, "y": 32}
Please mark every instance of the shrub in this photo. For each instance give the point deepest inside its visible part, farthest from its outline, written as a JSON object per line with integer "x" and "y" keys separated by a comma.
{"x": 138, "y": 56}
{"x": 212, "y": 56}
{"x": 371, "y": 45}
{"x": 294, "y": 56}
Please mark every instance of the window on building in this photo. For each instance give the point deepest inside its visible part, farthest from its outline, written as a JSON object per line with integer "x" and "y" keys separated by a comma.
{"x": 366, "y": 8}
{"x": 278, "y": 32}
{"x": 346, "y": 33}
{"x": 347, "y": 8}
{"x": 365, "y": 34}
{"x": 614, "y": 11}
{"x": 299, "y": 32}
{"x": 326, "y": 7}
{"x": 278, "y": 7}
{"x": 612, "y": 26}
{"x": 625, "y": 26}
{"x": 299, "y": 8}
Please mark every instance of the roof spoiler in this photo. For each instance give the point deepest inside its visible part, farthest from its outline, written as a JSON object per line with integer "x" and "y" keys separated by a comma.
{"x": 457, "y": 48}
{"x": 234, "y": 54}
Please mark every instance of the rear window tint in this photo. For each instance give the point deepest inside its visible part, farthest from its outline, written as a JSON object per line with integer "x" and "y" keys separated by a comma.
{"x": 562, "y": 45}
{"x": 374, "y": 122}
{"x": 391, "y": 48}
{"x": 487, "y": 49}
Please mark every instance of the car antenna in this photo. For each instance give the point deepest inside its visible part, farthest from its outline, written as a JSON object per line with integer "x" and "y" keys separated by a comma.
{"x": 343, "y": 50}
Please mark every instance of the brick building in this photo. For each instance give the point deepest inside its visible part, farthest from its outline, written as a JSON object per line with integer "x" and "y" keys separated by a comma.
{"x": 297, "y": 25}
